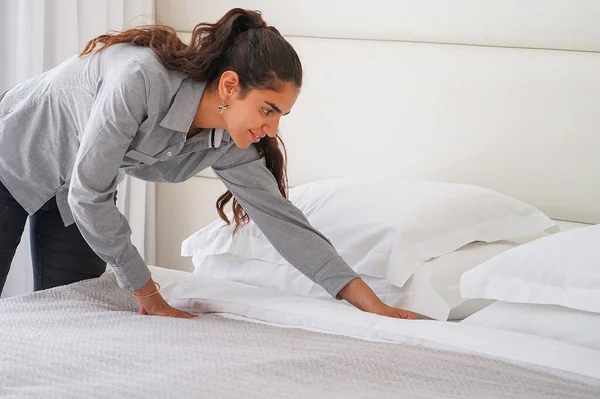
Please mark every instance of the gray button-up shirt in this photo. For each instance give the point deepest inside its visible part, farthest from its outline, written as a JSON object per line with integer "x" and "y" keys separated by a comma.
{"x": 69, "y": 132}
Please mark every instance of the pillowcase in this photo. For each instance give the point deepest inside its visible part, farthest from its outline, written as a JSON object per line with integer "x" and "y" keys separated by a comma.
{"x": 560, "y": 269}
{"x": 549, "y": 321}
{"x": 433, "y": 291}
{"x": 386, "y": 230}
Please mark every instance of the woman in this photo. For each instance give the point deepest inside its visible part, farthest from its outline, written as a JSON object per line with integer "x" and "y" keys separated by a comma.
{"x": 144, "y": 103}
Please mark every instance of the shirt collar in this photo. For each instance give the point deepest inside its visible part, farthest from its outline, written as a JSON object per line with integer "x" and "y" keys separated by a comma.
{"x": 184, "y": 107}
{"x": 226, "y": 137}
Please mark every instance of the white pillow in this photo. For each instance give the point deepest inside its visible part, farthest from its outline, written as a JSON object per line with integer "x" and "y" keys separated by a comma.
{"x": 550, "y": 321}
{"x": 386, "y": 230}
{"x": 560, "y": 269}
{"x": 433, "y": 290}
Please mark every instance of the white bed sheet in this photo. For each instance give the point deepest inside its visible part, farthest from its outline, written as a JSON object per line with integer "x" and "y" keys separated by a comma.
{"x": 203, "y": 295}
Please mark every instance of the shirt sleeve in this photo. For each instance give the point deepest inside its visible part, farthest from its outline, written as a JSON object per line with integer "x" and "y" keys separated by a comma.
{"x": 119, "y": 108}
{"x": 284, "y": 225}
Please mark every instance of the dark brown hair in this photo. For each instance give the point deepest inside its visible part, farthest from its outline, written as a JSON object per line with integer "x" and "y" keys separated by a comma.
{"x": 240, "y": 41}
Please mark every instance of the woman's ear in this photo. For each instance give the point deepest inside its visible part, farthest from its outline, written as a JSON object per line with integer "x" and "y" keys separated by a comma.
{"x": 228, "y": 85}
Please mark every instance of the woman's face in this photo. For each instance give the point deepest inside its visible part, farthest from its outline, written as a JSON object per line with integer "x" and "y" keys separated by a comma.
{"x": 250, "y": 118}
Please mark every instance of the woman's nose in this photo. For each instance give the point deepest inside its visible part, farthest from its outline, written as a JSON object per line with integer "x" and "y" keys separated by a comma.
{"x": 271, "y": 128}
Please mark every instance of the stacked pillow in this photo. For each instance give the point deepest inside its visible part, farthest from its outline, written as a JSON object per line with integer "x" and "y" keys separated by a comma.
{"x": 549, "y": 287}
{"x": 411, "y": 241}
{"x": 555, "y": 322}
{"x": 561, "y": 269}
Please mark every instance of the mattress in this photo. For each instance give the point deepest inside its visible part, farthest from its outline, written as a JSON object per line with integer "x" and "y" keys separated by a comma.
{"x": 86, "y": 340}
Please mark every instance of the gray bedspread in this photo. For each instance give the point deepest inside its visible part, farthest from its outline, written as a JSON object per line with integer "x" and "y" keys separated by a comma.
{"x": 86, "y": 341}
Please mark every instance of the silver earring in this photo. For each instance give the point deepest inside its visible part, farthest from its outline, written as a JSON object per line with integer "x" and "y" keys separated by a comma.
{"x": 222, "y": 107}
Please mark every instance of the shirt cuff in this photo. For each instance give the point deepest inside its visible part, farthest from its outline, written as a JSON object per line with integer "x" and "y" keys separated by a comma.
{"x": 133, "y": 275}
{"x": 335, "y": 275}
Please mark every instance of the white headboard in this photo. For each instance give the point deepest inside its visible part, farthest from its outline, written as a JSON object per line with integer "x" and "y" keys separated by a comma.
{"x": 501, "y": 94}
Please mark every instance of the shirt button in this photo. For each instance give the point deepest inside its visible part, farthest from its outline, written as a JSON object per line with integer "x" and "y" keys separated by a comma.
{"x": 169, "y": 153}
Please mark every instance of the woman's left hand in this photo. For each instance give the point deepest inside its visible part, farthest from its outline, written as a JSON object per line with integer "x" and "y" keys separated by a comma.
{"x": 389, "y": 311}
{"x": 359, "y": 294}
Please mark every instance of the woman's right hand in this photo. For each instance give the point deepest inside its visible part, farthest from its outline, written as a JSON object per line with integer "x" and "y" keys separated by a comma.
{"x": 156, "y": 305}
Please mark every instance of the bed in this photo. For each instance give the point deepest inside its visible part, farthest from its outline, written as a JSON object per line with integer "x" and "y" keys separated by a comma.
{"x": 504, "y": 98}
{"x": 84, "y": 340}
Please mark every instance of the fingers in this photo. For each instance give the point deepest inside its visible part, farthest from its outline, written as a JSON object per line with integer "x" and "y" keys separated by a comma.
{"x": 408, "y": 315}
{"x": 179, "y": 314}
{"x": 170, "y": 312}
{"x": 402, "y": 314}
{"x": 184, "y": 315}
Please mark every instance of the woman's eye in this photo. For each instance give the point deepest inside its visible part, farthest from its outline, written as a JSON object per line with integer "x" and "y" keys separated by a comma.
{"x": 266, "y": 111}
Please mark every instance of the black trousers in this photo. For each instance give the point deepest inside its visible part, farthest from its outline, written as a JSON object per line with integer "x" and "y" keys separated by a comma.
{"x": 60, "y": 255}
